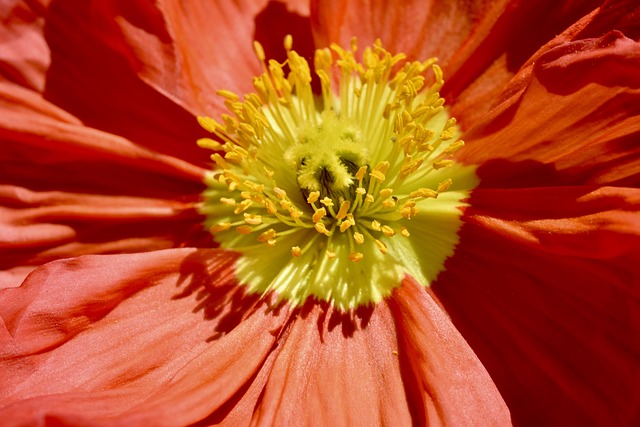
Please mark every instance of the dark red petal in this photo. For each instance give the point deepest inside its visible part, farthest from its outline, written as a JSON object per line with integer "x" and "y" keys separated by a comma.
{"x": 46, "y": 148}
{"x": 577, "y": 112}
{"x": 544, "y": 286}
{"x": 24, "y": 55}
{"x": 94, "y": 75}
{"x": 152, "y": 339}
{"x": 336, "y": 367}
{"x": 446, "y": 383}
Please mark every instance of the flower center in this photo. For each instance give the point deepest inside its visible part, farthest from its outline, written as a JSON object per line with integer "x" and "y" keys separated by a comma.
{"x": 337, "y": 195}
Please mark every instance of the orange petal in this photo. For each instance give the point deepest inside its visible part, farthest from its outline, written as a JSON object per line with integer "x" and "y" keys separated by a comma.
{"x": 334, "y": 367}
{"x": 150, "y": 339}
{"x": 578, "y": 112}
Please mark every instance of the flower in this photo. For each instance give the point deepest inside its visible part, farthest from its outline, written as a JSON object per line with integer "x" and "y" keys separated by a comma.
{"x": 118, "y": 308}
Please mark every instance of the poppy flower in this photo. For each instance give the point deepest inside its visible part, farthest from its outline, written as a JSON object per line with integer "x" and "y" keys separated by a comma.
{"x": 330, "y": 251}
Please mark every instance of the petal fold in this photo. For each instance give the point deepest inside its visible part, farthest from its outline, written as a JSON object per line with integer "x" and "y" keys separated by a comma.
{"x": 446, "y": 383}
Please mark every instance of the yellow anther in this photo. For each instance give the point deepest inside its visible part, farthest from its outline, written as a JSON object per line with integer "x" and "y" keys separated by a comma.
{"x": 209, "y": 144}
{"x": 222, "y": 164}
{"x": 208, "y": 124}
{"x": 442, "y": 164}
{"x": 320, "y": 228}
{"x": 227, "y": 94}
{"x": 257, "y": 47}
{"x": 344, "y": 209}
{"x": 388, "y": 231}
{"x": 288, "y": 42}
{"x": 424, "y": 192}
{"x": 444, "y": 185}
{"x": 405, "y": 232}
{"x": 358, "y": 237}
{"x": 242, "y": 206}
{"x": 369, "y": 198}
{"x": 330, "y": 254}
{"x": 268, "y": 237}
{"x": 244, "y": 229}
{"x": 408, "y": 210}
{"x": 296, "y": 251}
{"x": 295, "y": 213}
{"x": 388, "y": 203}
{"x": 378, "y": 175}
{"x": 313, "y": 197}
{"x": 327, "y": 202}
{"x": 279, "y": 192}
{"x": 361, "y": 191}
{"x": 361, "y": 172}
{"x": 344, "y": 226}
{"x": 381, "y": 246}
{"x": 375, "y": 225}
{"x": 454, "y": 147}
{"x": 227, "y": 201}
{"x": 284, "y": 204}
{"x": 356, "y": 256}
{"x": 319, "y": 214}
{"x": 386, "y": 192}
{"x": 270, "y": 206}
{"x": 221, "y": 226}
{"x": 252, "y": 219}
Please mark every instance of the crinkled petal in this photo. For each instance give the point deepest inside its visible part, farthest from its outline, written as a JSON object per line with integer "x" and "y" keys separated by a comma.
{"x": 38, "y": 227}
{"x": 24, "y": 55}
{"x": 163, "y": 338}
{"x": 544, "y": 286}
{"x": 577, "y": 113}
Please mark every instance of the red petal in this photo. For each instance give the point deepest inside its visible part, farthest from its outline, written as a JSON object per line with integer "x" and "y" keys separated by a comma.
{"x": 335, "y": 367}
{"x": 46, "y": 148}
{"x": 446, "y": 383}
{"x": 94, "y": 75}
{"x": 40, "y": 227}
{"x": 153, "y": 339}
{"x": 24, "y": 55}
{"x": 544, "y": 286}
{"x": 578, "y": 112}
